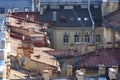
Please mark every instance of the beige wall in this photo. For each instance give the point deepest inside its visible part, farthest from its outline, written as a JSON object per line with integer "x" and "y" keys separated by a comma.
{"x": 109, "y": 35}
{"x": 57, "y": 36}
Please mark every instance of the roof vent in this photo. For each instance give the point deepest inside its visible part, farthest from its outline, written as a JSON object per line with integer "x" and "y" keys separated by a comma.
{"x": 54, "y": 16}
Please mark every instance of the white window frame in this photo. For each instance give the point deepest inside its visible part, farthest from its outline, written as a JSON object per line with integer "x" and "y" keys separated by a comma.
{"x": 98, "y": 38}
{"x": 77, "y": 37}
{"x": 87, "y": 38}
{"x": 66, "y": 38}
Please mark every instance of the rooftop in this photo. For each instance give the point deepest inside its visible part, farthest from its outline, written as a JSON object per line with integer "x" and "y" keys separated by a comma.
{"x": 112, "y": 21}
{"x": 76, "y": 17}
{"x": 108, "y": 57}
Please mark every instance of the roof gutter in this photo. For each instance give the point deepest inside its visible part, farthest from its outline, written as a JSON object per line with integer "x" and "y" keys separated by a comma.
{"x": 93, "y": 23}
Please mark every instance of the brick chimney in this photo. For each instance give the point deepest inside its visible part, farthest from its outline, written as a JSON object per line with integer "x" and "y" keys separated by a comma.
{"x": 80, "y": 75}
{"x": 101, "y": 69}
{"x": 69, "y": 70}
{"x": 45, "y": 74}
{"x": 115, "y": 67}
{"x": 112, "y": 74}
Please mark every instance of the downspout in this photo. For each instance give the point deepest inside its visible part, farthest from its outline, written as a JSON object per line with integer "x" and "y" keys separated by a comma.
{"x": 33, "y": 6}
{"x": 90, "y": 14}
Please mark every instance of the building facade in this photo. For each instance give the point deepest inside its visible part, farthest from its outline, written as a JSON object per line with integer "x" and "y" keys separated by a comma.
{"x": 73, "y": 24}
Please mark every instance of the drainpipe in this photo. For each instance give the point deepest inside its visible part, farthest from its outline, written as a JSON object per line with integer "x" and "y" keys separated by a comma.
{"x": 33, "y": 5}
{"x": 90, "y": 14}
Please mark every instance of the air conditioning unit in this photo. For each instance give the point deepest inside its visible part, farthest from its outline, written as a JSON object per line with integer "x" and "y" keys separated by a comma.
{"x": 15, "y": 10}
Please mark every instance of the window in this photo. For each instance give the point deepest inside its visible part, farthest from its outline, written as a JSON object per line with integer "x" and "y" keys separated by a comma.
{"x": 77, "y": 37}
{"x": 87, "y": 38}
{"x": 26, "y": 9}
{"x": 66, "y": 38}
{"x": 2, "y": 10}
{"x": 97, "y": 38}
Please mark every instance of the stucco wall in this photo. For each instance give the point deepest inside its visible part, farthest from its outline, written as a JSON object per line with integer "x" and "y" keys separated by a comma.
{"x": 57, "y": 36}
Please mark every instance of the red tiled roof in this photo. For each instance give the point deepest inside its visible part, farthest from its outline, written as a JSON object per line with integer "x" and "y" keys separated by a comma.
{"x": 23, "y": 15}
{"x": 61, "y": 53}
{"x": 108, "y": 57}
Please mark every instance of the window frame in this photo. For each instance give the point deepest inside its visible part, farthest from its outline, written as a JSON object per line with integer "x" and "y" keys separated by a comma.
{"x": 77, "y": 37}
{"x": 87, "y": 38}
{"x": 98, "y": 38}
{"x": 66, "y": 38}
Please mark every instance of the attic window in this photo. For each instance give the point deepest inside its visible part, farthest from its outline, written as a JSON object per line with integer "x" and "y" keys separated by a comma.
{"x": 62, "y": 18}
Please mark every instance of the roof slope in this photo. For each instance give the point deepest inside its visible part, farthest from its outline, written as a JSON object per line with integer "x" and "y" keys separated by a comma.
{"x": 112, "y": 21}
{"x": 108, "y": 57}
{"x": 73, "y": 17}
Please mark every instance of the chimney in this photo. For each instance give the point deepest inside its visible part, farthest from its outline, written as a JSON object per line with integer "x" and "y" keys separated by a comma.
{"x": 112, "y": 74}
{"x": 101, "y": 69}
{"x": 54, "y": 16}
{"x": 45, "y": 74}
{"x": 115, "y": 67}
{"x": 69, "y": 70}
{"x": 80, "y": 75}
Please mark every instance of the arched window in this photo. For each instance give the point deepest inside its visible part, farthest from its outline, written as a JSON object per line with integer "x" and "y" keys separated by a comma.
{"x": 77, "y": 37}
{"x": 66, "y": 38}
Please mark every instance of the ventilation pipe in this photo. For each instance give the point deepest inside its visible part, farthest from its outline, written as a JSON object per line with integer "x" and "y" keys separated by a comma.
{"x": 54, "y": 16}
{"x": 93, "y": 23}
{"x": 33, "y": 6}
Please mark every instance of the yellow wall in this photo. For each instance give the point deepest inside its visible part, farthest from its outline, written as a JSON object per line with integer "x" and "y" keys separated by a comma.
{"x": 57, "y": 36}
